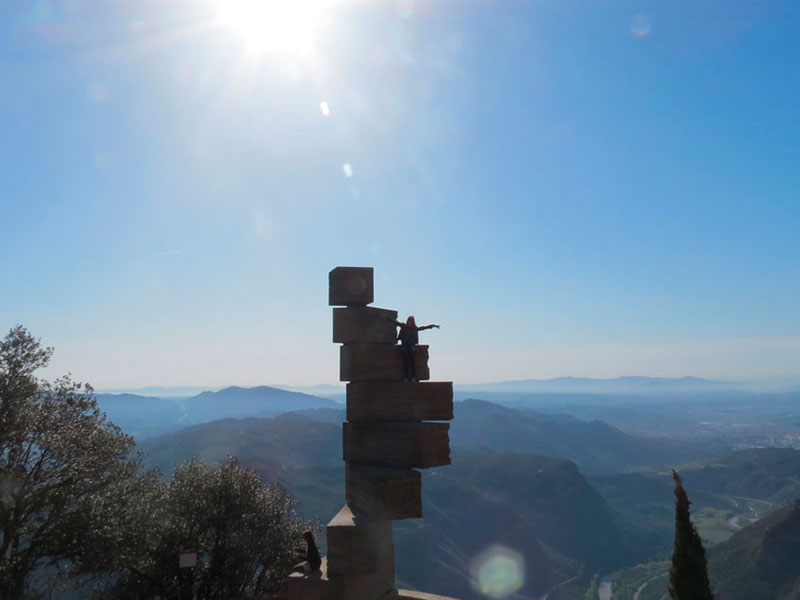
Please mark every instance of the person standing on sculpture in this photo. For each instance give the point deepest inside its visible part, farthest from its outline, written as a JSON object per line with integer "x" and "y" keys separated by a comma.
{"x": 408, "y": 336}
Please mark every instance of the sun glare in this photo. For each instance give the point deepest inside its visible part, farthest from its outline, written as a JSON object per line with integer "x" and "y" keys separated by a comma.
{"x": 274, "y": 25}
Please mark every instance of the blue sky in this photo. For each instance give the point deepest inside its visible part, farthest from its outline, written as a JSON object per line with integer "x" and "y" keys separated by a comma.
{"x": 596, "y": 188}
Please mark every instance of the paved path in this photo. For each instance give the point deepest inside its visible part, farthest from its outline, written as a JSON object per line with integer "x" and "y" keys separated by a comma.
{"x": 555, "y": 587}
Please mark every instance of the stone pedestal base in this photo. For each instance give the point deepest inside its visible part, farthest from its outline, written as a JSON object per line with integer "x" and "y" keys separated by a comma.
{"x": 414, "y": 595}
{"x": 357, "y": 544}
{"x": 318, "y": 586}
{"x": 322, "y": 586}
{"x": 314, "y": 586}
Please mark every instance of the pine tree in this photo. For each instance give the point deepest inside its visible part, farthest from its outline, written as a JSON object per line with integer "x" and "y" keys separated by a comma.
{"x": 688, "y": 576}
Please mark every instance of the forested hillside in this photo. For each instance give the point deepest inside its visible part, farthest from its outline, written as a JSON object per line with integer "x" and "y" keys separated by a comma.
{"x": 760, "y": 562}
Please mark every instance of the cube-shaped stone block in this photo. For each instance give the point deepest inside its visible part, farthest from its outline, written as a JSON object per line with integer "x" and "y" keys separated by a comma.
{"x": 314, "y": 586}
{"x": 379, "y": 362}
{"x": 393, "y": 493}
{"x": 432, "y": 401}
{"x": 350, "y": 286}
{"x": 357, "y": 543}
{"x": 364, "y": 324}
{"x": 403, "y": 445}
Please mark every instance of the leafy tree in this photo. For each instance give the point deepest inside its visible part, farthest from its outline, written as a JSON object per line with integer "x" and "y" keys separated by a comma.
{"x": 74, "y": 500}
{"x": 688, "y": 576}
{"x": 243, "y": 533}
{"x": 58, "y": 458}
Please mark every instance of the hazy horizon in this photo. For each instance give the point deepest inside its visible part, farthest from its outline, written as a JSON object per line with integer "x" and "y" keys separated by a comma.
{"x": 763, "y": 361}
{"x": 764, "y": 385}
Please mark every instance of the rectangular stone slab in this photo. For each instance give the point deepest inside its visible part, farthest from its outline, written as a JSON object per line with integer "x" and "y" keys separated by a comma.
{"x": 357, "y": 543}
{"x": 364, "y": 324}
{"x": 393, "y": 493}
{"x": 432, "y": 401}
{"x": 403, "y": 445}
{"x": 379, "y": 362}
{"x": 350, "y": 286}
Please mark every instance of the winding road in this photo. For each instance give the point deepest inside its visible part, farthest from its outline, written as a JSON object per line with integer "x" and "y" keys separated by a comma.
{"x": 644, "y": 584}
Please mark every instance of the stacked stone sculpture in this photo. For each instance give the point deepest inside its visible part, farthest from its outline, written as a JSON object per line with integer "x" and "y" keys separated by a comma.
{"x": 393, "y": 428}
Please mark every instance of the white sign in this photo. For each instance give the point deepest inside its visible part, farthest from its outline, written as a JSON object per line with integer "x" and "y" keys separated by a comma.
{"x": 187, "y": 558}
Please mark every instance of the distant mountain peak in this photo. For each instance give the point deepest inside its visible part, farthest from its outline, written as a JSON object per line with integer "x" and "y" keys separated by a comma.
{"x": 237, "y": 402}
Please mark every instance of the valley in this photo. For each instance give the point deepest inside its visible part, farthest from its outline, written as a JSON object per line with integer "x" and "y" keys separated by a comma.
{"x": 578, "y": 498}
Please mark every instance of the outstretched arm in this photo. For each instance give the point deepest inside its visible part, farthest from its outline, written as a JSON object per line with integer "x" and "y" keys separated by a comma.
{"x": 428, "y": 327}
{"x": 396, "y": 323}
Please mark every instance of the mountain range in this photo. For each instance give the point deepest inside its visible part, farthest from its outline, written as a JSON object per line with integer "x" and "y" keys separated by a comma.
{"x": 141, "y": 416}
{"x": 594, "y": 446}
{"x": 236, "y": 402}
{"x": 617, "y": 385}
{"x": 627, "y": 384}
{"x": 543, "y": 507}
{"x": 271, "y": 446}
{"x": 561, "y": 522}
{"x": 145, "y": 416}
{"x": 517, "y": 479}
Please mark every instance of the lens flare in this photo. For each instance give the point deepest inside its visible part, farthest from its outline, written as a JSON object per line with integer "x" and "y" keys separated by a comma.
{"x": 405, "y": 8}
{"x": 498, "y": 572}
{"x": 640, "y": 26}
{"x": 98, "y": 92}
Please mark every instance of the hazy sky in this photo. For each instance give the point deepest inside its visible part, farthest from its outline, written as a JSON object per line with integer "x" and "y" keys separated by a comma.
{"x": 595, "y": 188}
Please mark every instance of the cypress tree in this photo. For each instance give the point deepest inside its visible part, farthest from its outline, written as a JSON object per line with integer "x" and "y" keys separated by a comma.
{"x": 688, "y": 576}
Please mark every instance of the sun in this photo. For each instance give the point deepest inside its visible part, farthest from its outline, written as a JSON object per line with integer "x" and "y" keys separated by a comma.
{"x": 278, "y": 26}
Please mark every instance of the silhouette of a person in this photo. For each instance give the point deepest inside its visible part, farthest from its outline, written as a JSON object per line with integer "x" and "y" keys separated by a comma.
{"x": 408, "y": 336}
{"x": 310, "y": 556}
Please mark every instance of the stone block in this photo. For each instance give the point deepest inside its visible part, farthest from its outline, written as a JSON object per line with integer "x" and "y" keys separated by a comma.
{"x": 379, "y": 362}
{"x": 392, "y": 493}
{"x": 374, "y": 585}
{"x": 364, "y": 324}
{"x": 350, "y": 286}
{"x": 431, "y": 401}
{"x": 403, "y": 445}
{"x": 314, "y": 586}
{"x": 357, "y": 543}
